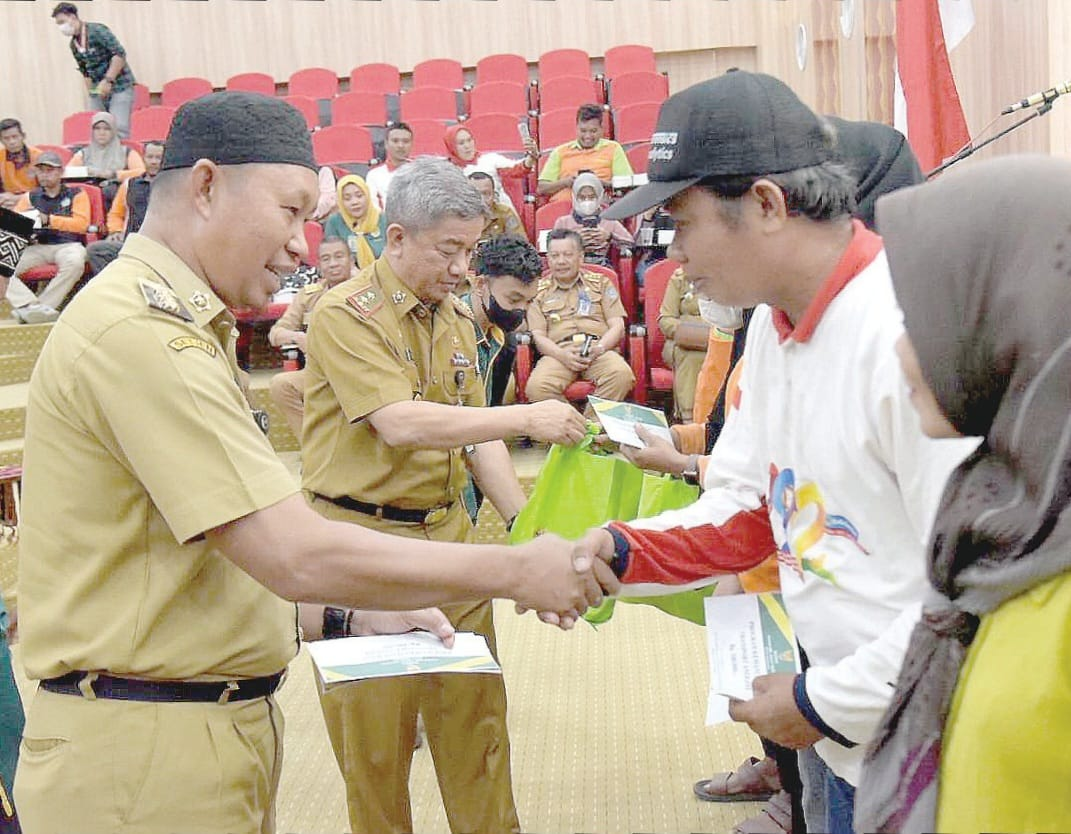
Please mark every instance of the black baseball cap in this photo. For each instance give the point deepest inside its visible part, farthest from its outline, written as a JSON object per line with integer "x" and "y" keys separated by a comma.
{"x": 738, "y": 124}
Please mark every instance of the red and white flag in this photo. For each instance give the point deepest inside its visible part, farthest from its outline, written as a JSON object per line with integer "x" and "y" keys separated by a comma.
{"x": 927, "y": 106}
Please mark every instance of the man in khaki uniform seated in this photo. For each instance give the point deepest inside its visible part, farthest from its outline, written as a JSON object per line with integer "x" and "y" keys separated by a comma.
{"x": 394, "y": 412}
{"x": 577, "y": 321}
{"x": 161, "y": 536}
{"x": 287, "y": 388}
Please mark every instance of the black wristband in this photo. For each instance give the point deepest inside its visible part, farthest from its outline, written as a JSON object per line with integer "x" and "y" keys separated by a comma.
{"x": 335, "y": 622}
{"x": 349, "y": 621}
{"x": 511, "y": 522}
{"x": 619, "y": 562}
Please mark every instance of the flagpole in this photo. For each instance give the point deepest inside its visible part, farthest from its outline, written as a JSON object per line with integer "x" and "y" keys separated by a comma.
{"x": 970, "y": 147}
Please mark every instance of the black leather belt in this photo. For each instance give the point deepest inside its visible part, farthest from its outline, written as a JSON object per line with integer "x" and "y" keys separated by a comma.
{"x": 134, "y": 689}
{"x": 432, "y": 516}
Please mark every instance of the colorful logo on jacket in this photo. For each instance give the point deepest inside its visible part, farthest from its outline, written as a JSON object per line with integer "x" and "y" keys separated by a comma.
{"x": 805, "y": 523}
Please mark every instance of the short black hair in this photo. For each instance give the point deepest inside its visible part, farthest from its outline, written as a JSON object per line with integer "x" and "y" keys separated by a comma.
{"x": 566, "y": 234}
{"x": 508, "y": 255}
{"x": 65, "y": 8}
{"x": 7, "y": 124}
{"x": 589, "y": 113}
{"x": 398, "y": 126}
{"x": 481, "y": 175}
{"x": 332, "y": 239}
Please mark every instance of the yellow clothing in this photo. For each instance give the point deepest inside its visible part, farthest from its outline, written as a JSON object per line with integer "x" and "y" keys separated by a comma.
{"x": 680, "y": 304}
{"x": 299, "y": 311}
{"x": 1006, "y": 760}
{"x": 138, "y": 440}
{"x": 503, "y": 221}
{"x": 117, "y": 213}
{"x": 606, "y": 160}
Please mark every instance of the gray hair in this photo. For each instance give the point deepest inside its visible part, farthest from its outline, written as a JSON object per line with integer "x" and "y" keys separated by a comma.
{"x": 428, "y": 190}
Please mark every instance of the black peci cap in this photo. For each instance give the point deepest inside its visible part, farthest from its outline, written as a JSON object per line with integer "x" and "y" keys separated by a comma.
{"x": 738, "y": 124}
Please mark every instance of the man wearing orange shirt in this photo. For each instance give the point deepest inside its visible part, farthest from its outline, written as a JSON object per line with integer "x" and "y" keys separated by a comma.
{"x": 605, "y": 158}
{"x": 16, "y": 163}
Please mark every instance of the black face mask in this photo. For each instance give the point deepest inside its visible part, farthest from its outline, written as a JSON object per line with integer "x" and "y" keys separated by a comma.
{"x": 508, "y": 320}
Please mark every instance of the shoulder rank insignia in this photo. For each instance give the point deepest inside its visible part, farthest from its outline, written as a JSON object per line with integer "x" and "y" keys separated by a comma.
{"x": 309, "y": 289}
{"x": 398, "y": 297}
{"x": 181, "y": 343}
{"x": 366, "y": 301}
{"x": 611, "y": 291}
{"x": 200, "y": 301}
{"x": 460, "y": 360}
{"x": 544, "y": 283}
{"x": 462, "y": 308}
{"x": 163, "y": 298}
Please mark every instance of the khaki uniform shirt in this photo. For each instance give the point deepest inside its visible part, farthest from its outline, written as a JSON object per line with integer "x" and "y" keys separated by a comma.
{"x": 374, "y": 343}
{"x": 585, "y": 306}
{"x": 679, "y": 304}
{"x": 138, "y": 440}
{"x": 298, "y": 313}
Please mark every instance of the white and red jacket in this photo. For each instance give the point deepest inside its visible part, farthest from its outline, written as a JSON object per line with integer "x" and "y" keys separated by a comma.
{"x": 823, "y": 461}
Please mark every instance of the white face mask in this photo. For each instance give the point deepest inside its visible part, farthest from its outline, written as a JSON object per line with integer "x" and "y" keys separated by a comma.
{"x": 586, "y": 208}
{"x": 68, "y": 29}
{"x": 726, "y": 319}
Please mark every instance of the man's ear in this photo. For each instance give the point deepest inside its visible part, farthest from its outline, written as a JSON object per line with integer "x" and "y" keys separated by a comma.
{"x": 770, "y": 202}
{"x": 396, "y": 235}
{"x": 204, "y": 185}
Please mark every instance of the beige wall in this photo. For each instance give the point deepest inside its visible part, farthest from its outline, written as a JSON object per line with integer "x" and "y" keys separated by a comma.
{"x": 1017, "y": 47}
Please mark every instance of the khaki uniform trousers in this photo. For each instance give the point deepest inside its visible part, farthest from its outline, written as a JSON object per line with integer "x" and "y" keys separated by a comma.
{"x": 70, "y": 261}
{"x": 104, "y": 766}
{"x": 287, "y": 390}
{"x": 686, "y": 365}
{"x": 372, "y": 724}
{"x": 611, "y": 374}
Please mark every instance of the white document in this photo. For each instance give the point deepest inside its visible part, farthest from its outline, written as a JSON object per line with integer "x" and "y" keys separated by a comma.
{"x": 75, "y": 172}
{"x": 389, "y": 655}
{"x": 34, "y": 215}
{"x": 748, "y": 635}
{"x": 620, "y": 419}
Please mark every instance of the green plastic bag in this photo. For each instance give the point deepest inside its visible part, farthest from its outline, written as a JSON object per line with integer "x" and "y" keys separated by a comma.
{"x": 578, "y": 488}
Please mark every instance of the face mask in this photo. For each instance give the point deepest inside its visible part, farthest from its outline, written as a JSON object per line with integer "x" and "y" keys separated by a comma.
{"x": 726, "y": 319}
{"x": 508, "y": 320}
{"x": 586, "y": 208}
{"x": 68, "y": 29}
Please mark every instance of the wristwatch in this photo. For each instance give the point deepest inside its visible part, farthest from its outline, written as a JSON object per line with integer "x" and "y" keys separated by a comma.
{"x": 690, "y": 473}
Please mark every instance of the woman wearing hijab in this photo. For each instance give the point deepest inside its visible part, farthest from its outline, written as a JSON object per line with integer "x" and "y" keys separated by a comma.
{"x": 978, "y": 736}
{"x": 359, "y": 221}
{"x": 462, "y": 151}
{"x": 106, "y": 158}
{"x": 586, "y": 220}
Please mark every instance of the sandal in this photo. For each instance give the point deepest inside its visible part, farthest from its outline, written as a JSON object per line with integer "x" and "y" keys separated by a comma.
{"x": 774, "y": 818}
{"x": 753, "y": 781}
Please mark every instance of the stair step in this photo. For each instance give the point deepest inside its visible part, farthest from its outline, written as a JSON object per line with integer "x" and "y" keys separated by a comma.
{"x": 18, "y": 338}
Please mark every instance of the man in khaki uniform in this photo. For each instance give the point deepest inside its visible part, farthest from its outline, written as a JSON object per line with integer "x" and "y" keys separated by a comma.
{"x": 160, "y": 534}
{"x": 287, "y": 389}
{"x": 577, "y": 321}
{"x": 393, "y": 413}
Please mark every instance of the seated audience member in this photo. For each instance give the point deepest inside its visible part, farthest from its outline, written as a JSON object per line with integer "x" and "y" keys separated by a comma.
{"x": 287, "y": 388}
{"x": 507, "y": 271}
{"x": 398, "y": 145}
{"x": 16, "y": 163}
{"x": 586, "y": 220}
{"x": 588, "y": 152}
{"x": 63, "y": 214}
{"x": 652, "y": 223}
{"x": 328, "y": 201}
{"x": 106, "y": 158}
{"x": 359, "y": 222}
{"x": 687, "y": 336}
{"x": 577, "y": 321}
{"x": 502, "y": 219}
{"x": 127, "y": 211}
{"x": 461, "y": 150}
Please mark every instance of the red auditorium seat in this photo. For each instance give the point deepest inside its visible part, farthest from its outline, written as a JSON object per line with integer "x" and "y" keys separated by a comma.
{"x": 359, "y": 108}
{"x": 314, "y": 82}
{"x": 502, "y": 67}
{"x": 308, "y": 107}
{"x": 77, "y": 129}
{"x": 65, "y": 153}
{"x": 439, "y": 72}
{"x": 180, "y": 90}
{"x": 314, "y": 235}
{"x": 637, "y": 157}
{"x": 498, "y": 97}
{"x": 656, "y": 376}
{"x": 628, "y": 58}
{"x": 559, "y": 62}
{"x": 546, "y": 215}
{"x": 339, "y": 144}
{"x": 151, "y": 123}
{"x": 496, "y": 132}
{"x": 636, "y": 122}
{"x": 429, "y": 103}
{"x": 636, "y": 87}
{"x": 427, "y": 136}
{"x": 252, "y": 82}
{"x": 141, "y": 96}
{"x": 376, "y": 78}
{"x": 567, "y": 91}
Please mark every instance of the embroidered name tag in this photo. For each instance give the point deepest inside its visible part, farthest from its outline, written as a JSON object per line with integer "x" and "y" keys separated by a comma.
{"x": 183, "y": 342}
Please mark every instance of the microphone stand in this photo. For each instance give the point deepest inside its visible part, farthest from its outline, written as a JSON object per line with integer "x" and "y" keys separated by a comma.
{"x": 970, "y": 147}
